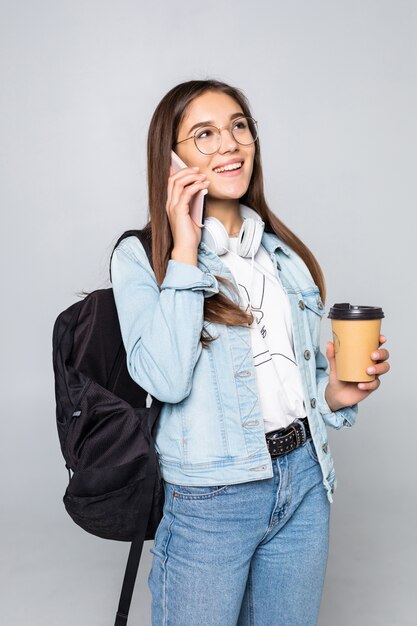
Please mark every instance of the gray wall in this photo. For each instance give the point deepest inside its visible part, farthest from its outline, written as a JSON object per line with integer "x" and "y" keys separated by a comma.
{"x": 334, "y": 87}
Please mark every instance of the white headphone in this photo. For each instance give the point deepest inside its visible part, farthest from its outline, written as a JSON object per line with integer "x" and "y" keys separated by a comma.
{"x": 215, "y": 235}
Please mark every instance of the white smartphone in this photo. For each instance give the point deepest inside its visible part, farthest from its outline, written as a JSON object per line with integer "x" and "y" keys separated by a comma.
{"x": 197, "y": 204}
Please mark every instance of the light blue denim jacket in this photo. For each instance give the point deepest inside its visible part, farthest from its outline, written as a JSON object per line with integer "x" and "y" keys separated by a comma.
{"x": 210, "y": 430}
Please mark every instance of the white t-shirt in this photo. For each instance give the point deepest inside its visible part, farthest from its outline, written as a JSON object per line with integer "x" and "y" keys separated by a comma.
{"x": 277, "y": 372}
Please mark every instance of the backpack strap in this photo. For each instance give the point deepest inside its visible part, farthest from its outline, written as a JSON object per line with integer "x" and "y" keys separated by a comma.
{"x": 145, "y": 237}
{"x": 135, "y": 551}
{"x": 152, "y": 474}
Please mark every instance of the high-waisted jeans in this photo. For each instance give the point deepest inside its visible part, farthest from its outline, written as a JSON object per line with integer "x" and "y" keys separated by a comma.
{"x": 252, "y": 554}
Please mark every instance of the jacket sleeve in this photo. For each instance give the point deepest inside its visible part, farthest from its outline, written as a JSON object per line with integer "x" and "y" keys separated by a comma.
{"x": 343, "y": 418}
{"x": 160, "y": 328}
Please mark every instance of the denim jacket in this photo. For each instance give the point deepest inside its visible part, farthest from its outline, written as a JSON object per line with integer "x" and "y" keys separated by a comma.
{"x": 210, "y": 430}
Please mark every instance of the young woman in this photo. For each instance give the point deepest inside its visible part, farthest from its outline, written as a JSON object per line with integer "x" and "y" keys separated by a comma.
{"x": 225, "y": 331}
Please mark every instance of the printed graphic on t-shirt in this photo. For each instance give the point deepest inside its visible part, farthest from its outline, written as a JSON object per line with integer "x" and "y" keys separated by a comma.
{"x": 277, "y": 372}
{"x": 255, "y": 303}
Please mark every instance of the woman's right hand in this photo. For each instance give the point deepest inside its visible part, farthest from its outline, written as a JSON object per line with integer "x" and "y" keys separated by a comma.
{"x": 182, "y": 186}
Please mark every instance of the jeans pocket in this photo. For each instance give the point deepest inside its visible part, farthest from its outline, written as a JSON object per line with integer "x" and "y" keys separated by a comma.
{"x": 311, "y": 450}
{"x": 186, "y": 492}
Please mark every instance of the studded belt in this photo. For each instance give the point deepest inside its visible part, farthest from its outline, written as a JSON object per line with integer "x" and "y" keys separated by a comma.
{"x": 284, "y": 440}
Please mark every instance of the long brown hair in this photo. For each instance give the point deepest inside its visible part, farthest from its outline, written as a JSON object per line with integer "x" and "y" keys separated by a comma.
{"x": 162, "y": 137}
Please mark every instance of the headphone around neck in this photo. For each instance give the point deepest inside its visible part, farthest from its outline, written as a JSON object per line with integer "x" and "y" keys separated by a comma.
{"x": 215, "y": 235}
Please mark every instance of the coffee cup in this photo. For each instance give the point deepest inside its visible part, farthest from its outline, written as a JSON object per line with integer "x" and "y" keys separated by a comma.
{"x": 356, "y": 330}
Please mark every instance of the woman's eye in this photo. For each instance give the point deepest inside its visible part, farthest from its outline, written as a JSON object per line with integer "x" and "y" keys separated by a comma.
{"x": 241, "y": 125}
{"x": 203, "y": 134}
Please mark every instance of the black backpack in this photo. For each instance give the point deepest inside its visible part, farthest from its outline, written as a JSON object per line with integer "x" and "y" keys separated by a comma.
{"x": 105, "y": 430}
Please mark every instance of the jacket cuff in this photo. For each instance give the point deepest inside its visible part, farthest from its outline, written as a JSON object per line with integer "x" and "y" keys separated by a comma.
{"x": 181, "y": 275}
{"x": 343, "y": 418}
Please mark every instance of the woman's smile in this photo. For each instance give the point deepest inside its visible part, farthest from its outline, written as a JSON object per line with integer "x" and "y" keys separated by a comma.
{"x": 233, "y": 167}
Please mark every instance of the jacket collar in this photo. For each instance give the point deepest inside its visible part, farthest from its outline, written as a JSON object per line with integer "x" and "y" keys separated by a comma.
{"x": 271, "y": 242}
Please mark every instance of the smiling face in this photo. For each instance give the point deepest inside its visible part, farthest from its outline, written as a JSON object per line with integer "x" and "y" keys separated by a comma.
{"x": 217, "y": 109}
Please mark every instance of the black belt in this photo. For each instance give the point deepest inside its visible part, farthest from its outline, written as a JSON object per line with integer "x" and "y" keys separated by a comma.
{"x": 284, "y": 440}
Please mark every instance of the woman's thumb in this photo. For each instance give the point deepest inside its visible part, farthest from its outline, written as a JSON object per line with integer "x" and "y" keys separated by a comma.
{"x": 330, "y": 356}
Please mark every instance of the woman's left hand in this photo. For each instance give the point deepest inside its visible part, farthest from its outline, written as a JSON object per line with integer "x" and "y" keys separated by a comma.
{"x": 339, "y": 393}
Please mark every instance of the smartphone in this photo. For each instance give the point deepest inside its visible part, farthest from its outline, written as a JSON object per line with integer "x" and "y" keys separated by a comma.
{"x": 197, "y": 203}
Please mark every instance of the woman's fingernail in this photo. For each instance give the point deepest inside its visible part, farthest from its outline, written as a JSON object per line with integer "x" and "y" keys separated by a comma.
{"x": 370, "y": 370}
{"x": 195, "y": 167}
{"x": 375, "y": 355}
{"x": 362, "y": 386}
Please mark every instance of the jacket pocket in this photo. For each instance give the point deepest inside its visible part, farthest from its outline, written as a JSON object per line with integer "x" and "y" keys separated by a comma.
{"x": 314, "y": 311}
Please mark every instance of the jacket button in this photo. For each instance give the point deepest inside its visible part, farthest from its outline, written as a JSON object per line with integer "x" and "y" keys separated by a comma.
{"x": 313, "y": 403}
{"x": 320, "y": 304}
{"x": 307, "y": 355}
{"x": 301, "y": 305}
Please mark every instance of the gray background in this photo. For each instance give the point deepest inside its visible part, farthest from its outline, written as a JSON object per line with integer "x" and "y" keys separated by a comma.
{"x": 334, "y": 87}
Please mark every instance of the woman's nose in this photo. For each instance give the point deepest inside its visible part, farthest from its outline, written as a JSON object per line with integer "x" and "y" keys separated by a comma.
{"x": 227, "y": 142}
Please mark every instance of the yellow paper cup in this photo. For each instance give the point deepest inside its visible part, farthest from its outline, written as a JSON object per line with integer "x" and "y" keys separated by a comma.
{"x": 356, "y": 330}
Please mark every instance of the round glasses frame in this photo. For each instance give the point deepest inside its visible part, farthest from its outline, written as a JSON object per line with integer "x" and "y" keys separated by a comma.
{"x": 219, "y": 129}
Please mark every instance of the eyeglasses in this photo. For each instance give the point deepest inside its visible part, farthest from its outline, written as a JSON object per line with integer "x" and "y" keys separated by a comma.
{"x": 207, "y": 139}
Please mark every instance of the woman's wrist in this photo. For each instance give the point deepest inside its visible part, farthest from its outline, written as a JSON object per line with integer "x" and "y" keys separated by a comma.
{"x": 332, "y": 403}
{"x": 184, "y": 255}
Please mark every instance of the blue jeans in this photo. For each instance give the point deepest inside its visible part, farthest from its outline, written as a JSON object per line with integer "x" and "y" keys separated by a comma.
{"x": 251, "y": 554}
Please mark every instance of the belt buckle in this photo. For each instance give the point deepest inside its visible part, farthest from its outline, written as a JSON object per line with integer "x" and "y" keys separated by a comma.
{"x": 273, "y": 439}
{"x": 297, "y": 439}
{"x": 276, "y": 435}
{"x": 300, "y": 438}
